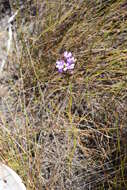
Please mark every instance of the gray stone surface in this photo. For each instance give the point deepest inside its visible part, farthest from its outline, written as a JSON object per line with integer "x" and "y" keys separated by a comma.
{"x": 6, "y": 74}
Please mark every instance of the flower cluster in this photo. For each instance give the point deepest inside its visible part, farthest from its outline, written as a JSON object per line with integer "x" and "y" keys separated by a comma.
{"x": 66, "y": 63}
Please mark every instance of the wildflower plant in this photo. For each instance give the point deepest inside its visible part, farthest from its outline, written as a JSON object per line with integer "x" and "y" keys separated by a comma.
{"x": 66, "y": 63}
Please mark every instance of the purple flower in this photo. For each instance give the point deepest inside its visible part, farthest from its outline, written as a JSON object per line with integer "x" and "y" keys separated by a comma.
{"x": 70, "y": 66}
{"x": 67, "y": 54}
{"x": 67, "y": 63}
{"x": 60, "y": 65}
{"x": 71, "y": 60}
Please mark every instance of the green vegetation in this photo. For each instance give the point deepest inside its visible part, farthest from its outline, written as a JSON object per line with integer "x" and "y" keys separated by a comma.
{"x": 73, "y": 131}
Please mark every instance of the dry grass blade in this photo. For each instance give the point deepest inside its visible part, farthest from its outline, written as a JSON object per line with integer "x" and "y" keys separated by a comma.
{"x": 68, "y": 131}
